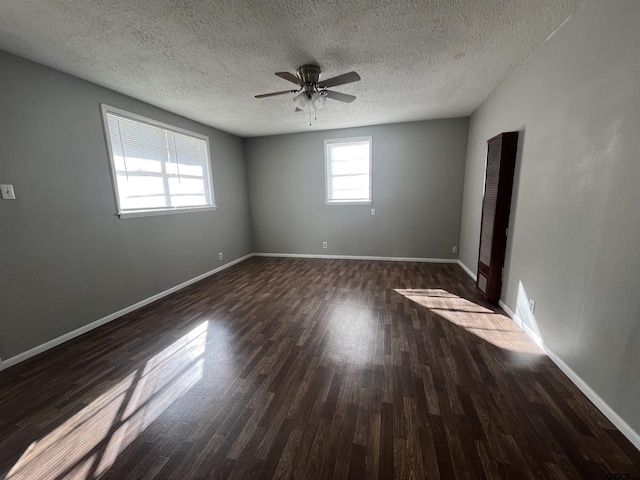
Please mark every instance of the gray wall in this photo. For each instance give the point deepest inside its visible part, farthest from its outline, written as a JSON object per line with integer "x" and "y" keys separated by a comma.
{"x": 575, "y": 224}
{"x": 66, "y": 259}
{"x": 418, "y": 171}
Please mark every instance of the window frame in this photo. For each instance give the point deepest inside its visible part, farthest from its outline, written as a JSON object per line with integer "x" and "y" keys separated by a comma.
{"x": 329, "y": 175}
{"x": 105, "y": 109}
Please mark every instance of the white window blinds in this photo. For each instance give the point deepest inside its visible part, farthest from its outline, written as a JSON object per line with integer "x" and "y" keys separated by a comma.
{"x": 157, "y": 167}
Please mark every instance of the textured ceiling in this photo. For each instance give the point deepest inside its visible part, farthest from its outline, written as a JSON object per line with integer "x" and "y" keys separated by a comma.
{"x": 207, "y": 59}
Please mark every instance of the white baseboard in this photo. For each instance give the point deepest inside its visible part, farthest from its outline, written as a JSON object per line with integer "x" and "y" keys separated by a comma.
{"x": 468, "y": 270}
{"x": 608, "y": 412}
{"x": 600, "y": 404}
{"x": 75, "y": 333}
{"x": 358, "y": 257}
{"x": 506, "y": 308}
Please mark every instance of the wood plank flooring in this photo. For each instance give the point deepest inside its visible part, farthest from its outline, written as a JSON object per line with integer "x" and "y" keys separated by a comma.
{"x": 306, "y": 369}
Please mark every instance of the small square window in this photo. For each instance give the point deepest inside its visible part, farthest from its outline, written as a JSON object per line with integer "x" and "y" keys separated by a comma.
{"x": 156, "y": 168}
{"x": 348, "y": 170}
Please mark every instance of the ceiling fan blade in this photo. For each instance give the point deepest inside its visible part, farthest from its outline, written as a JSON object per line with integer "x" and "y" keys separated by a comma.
{"x": 341, "y": 97}
{"x": 291, "y": 77}
{"x": 339, "y": 80}
{"x": 275, "y": 93}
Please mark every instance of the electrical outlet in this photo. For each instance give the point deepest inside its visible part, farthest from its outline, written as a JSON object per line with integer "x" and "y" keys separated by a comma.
{"x": 532, "y": 305}
{"x": 220, "y": 256}
{"x": 455, "y": 249}
{"x": 373, "y": 211}
{"x": 324, "y": 244}
{"x": 7, "y": 192}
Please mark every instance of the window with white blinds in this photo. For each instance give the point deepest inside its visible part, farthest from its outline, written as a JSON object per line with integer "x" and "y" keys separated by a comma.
{"x": 348, "y": 170}
{"x": 156, "y": 168}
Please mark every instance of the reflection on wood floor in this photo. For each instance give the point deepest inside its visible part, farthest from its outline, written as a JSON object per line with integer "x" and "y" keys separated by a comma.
{"x": 306, "y": 368}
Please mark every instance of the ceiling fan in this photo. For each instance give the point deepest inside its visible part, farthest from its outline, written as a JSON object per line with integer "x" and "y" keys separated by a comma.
{"x": 312, "y": 92}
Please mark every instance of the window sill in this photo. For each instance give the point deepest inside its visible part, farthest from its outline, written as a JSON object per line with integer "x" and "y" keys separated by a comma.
{"x": 336, "y": 202}
{"x": 172, "y": 211}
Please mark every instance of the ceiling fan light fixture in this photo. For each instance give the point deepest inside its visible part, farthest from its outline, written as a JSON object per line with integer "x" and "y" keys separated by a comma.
{"x": 310, "y": 101}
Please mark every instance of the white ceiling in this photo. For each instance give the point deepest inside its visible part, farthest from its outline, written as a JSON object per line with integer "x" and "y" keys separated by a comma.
{"x": 207, "y": 59}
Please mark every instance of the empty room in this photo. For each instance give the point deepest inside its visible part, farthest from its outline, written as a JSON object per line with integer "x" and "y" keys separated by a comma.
{"x": 337, "y": 240}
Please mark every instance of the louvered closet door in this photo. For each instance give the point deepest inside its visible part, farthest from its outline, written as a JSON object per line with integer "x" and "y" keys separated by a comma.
{"x": 501, "y": 155}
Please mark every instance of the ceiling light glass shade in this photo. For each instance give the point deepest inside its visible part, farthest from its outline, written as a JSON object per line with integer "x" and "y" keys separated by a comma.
{"x": 302, "y": 101}
{"x": 307, "y": 102}
{"x": 319, "y": 100}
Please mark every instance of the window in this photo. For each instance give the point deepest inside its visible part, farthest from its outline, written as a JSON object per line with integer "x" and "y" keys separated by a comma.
{"x": 348, "y": 170}
{"x": 157, "y": 169}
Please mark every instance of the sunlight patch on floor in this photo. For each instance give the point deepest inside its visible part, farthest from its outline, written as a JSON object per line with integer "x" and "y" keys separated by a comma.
{"x": 495, "y": 328}
{"x": 88, "y": 443}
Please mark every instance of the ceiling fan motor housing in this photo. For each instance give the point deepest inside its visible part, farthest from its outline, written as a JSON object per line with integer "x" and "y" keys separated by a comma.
{"x": 309, "y": 74}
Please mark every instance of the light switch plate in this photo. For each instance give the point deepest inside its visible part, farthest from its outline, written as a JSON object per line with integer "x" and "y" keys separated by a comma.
{"x": 7, "y": 192}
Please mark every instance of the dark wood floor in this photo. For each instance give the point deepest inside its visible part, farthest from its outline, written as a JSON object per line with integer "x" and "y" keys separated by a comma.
{"x": 291, "y": 368}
